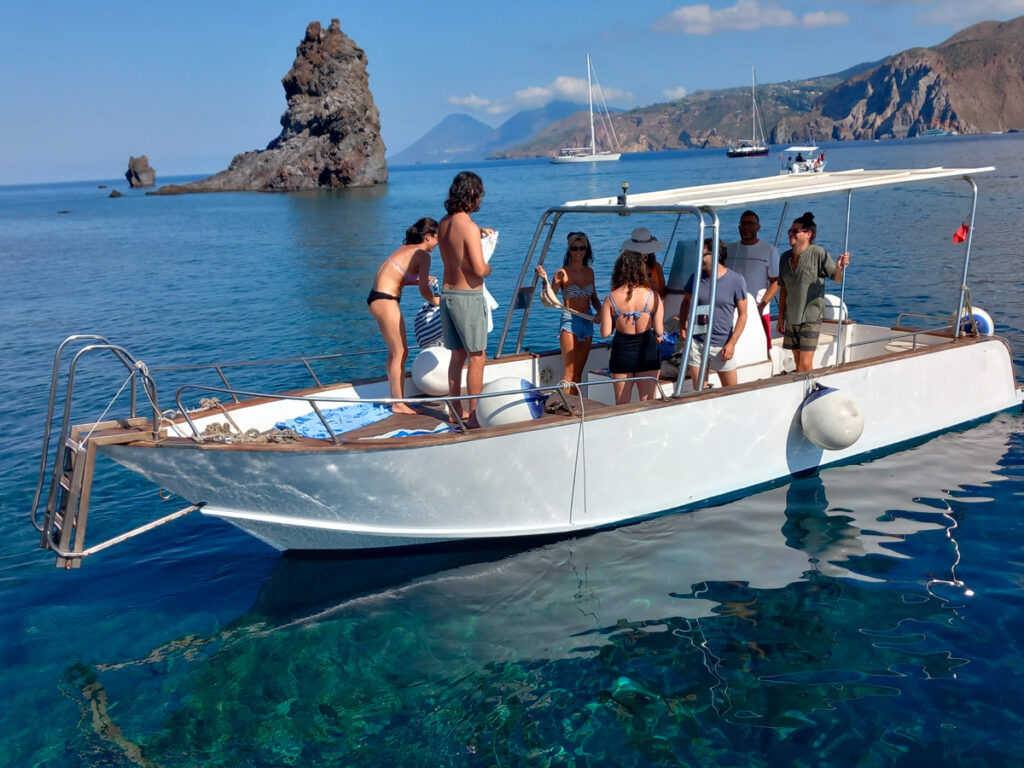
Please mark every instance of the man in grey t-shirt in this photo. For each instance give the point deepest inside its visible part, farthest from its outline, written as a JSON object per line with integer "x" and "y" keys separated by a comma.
{"x": 730, "y": 294}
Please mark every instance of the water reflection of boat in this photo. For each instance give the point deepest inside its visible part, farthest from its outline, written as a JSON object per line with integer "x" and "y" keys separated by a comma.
{"x": 661, "y": 633}
{"x": 819, "y": 524}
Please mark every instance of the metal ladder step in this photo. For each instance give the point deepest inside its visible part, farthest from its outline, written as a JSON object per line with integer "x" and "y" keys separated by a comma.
{"x": 64, "y": 517}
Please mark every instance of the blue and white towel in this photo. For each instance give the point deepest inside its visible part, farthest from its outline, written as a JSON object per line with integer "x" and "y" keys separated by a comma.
{"x": 343, "y": 419}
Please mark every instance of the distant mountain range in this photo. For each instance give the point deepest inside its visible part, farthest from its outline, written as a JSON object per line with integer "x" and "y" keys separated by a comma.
{"x": 971, "y": 83}
{"x": 462, "y": 138}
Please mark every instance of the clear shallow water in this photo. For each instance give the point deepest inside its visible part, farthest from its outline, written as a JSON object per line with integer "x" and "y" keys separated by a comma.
{"x": 823, "y": 622}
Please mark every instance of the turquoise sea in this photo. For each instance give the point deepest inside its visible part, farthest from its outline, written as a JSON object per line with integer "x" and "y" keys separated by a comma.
{"x": 869, "y": 615}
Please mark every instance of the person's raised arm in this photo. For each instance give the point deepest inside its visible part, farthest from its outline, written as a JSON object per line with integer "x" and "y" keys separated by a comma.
{"x": 841, "y": 264}
{"x": 423, "y": 259}
{"x": 470, "y": 233}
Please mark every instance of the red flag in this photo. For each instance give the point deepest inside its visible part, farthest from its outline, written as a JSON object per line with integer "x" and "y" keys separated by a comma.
{"x": 961, "y": 234}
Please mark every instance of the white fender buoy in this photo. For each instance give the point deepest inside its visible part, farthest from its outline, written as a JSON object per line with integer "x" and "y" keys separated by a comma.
{"x": 430, "y": 370}
{"x": 831, "y": 419}
{"x": 835, "y": 307}
{"x": 522, "y": 402}
{"x": 427, "y": 326}
{"x": 981, "y": 318}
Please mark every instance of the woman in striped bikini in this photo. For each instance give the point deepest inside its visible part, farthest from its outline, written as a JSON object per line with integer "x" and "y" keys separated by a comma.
{"x": 576, "y": 281}
{"x": 409, "y": 265}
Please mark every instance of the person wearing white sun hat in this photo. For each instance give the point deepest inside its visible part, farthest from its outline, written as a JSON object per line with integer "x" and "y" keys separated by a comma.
{"x": 643, "y": 242}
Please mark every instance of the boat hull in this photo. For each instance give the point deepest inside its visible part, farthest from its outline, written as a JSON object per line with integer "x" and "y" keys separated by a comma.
{"x": 574, "y": 475}
{"x": 600, "y": 157}
{"x": 746, "y": 151}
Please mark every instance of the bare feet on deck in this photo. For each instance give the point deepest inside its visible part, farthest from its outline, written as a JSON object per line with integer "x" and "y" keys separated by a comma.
{"x": 469, "y": 419}
{"x": 402, "y": 408}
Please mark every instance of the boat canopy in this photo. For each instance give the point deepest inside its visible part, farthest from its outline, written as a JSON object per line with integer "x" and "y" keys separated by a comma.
{"x": 774, "y": 188}
{"x": 797, "y": 148}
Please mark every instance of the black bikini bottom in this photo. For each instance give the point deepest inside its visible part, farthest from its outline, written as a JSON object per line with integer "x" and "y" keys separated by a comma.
{"x": 375, "y": 294}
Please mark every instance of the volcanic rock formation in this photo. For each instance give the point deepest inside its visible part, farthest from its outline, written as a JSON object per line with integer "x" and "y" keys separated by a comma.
{"x": 139, "y": 173}
{"x": 331, "y": 129}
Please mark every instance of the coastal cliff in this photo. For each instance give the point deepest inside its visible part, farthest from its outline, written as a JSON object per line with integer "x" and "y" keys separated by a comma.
{"x": 971, "y": 83}
{"x": 330, "y": 135}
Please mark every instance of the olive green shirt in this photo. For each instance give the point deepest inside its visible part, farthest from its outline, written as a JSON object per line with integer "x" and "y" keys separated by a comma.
{"x": 805, "y": 285}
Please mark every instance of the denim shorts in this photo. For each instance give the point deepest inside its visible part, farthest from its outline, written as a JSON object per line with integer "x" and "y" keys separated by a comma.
{"x": 577, "y": 326}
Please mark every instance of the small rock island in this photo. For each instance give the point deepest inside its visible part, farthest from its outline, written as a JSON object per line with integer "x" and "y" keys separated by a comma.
{"x": 330, "y": 136}
{"x": 139, "y": 173}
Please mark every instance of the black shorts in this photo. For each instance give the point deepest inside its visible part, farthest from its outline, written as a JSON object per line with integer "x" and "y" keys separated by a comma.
{"x": 634, "y": 352}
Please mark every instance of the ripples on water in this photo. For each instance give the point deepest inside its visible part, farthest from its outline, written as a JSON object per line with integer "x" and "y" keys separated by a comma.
{"x": 867, "y": 616}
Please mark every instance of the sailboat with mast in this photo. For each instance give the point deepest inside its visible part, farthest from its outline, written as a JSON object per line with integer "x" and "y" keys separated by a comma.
{"x": 591, "y": 154}
{"x": 757, "y": 146}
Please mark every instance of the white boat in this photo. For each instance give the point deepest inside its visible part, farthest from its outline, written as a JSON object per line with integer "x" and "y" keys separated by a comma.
{"x": 555, "y": 473}
{"x": 591, "y": 154}
{"x": 802, "y": 158}
{"x": 757, "y": 146}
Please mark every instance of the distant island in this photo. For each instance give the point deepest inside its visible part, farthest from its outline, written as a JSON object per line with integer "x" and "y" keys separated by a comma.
{"x": 971, "y": 83}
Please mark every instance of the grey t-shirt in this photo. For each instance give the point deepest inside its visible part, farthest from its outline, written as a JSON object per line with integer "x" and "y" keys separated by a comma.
{"x": 732, "y": 289}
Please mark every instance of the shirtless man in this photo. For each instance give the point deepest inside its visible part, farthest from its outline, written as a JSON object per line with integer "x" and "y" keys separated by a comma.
{"x": 463, "y": 311}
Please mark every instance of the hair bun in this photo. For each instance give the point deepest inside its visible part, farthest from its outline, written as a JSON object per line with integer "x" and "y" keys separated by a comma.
{"x": 808, "y": 216}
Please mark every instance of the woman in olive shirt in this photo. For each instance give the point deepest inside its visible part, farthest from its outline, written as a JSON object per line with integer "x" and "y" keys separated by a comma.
{"x": 802, "y": 272}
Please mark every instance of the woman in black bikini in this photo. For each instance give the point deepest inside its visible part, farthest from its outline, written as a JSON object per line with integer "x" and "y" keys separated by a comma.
{"x": 408, "y": 265}
{"x": 633, "y": 310}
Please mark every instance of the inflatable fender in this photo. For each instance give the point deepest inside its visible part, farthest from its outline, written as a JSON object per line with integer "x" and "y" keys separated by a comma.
{"x": 981, "y": 318}
{"x": 522, "y": 402}
{"x": 430, "y": 370}
{"x": 834, "y": 307}
{"x": 427, "y": 326}
{"x": 831, "y": 419}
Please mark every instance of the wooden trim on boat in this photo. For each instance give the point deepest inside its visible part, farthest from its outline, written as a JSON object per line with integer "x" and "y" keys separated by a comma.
{"x": 363, "y": 439}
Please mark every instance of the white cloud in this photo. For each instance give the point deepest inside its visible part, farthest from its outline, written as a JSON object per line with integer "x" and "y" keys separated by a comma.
{"x": 674, "y": 93}
{"x": 825, "y": 19}
{"x": 472, "y": 101}
{"x": 745, "y": 15}
{"x": 531, "y": 97}
{"x": 962, "y": 14}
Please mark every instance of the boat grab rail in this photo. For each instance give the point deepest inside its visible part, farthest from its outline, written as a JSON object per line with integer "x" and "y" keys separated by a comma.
{"x": 305, "y": 360}
{"x": 136, "y": 370}
{"x": 896, "y": 336}
{"x": 314, "y": 399}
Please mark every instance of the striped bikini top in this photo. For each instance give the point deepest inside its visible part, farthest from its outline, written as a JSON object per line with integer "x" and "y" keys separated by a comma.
{"x": 577, "y": 291}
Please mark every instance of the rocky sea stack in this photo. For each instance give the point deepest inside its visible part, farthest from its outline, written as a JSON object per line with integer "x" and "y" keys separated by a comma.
{"x": 331, "y": 129}
{"x": 139, "y": 173}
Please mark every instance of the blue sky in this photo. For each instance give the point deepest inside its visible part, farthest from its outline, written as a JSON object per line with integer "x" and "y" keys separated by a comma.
{"x": 85, "y": 85}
